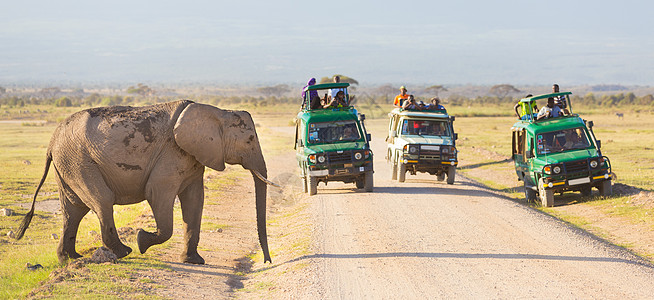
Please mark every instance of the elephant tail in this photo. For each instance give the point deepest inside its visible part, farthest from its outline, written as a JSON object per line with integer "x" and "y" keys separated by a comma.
{"x": 30, "y": 214}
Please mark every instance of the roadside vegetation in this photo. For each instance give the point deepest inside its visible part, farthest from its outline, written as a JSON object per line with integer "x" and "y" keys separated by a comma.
{"x": 27, "y": 121}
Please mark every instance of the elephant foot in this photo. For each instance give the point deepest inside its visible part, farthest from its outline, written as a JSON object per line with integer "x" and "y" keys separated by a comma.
{"x": 121, "y": 250}
{"x": 64, "y": 257}
{"x": 194, "y": 258}
{"x": 144, "y": 240}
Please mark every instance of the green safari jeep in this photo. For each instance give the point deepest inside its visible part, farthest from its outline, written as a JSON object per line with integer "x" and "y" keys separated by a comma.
{"x": 332, "y": 144}
{"x": 558, "y": 154}
{"x": 421, "y": 141}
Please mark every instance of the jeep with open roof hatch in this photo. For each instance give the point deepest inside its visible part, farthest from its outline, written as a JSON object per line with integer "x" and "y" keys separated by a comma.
{"x": 421, "y": 141}
{"x": 558, "y": 154}
{"x": 332, "y": 143}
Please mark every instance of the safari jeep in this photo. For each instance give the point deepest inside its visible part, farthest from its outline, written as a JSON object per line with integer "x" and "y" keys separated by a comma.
{"x": 558, "y": 154}
{"x": 332, "y": 145}
{"x": 421, "y": 141}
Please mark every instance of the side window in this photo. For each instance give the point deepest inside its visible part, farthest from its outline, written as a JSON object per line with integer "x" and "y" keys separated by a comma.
{"x": 525, "y": 145}
{"x": 520, "y": 139}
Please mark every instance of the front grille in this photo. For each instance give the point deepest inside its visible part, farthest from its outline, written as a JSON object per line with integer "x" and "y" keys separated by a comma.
{"x": 576, "y": 166}
{"x": 430, "y": 154}
{"x": 340, "y": 158}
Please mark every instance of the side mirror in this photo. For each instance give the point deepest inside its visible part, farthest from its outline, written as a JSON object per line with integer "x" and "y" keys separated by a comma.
{"x": 368, "y": 137}
{"x": 456, "y": 136}
{"x": 452, "y": 118}
{"x": 299, "y": 143}
{"x": 362, "y": 117}
{"x": 591, "y": 124}
{"x": 394, "y": 133}
{"x": 599, "y": 144}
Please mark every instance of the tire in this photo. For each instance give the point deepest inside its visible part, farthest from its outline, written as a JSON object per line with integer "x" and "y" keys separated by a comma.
{"x": 305, "y": 187}
{"x": 369, "y": 184}
{"x": 530, "y": 194}
{"x": 401, "y": 172}
{"x": 441, "y": 176}
{"x": 360, "y": 182}
{"x": 605, "y": 189}
{"x": 586, "y": 191}
{"x": 451, "y": 174}
{"x": 312, "y": 185}
{"x": 546, "y": 196}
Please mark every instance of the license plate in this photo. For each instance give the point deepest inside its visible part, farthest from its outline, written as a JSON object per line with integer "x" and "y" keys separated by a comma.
{"x": 341, "y": 171}
{"x": 579, "y": 181}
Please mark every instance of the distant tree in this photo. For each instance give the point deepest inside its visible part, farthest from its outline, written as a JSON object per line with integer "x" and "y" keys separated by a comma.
{"x": 436, "y": 89}
{"x": 50, "y": 92}
{"x": 63, "y": 102}
{"x": 386, "y": 90}
{"x": 140, "y": 89}
{"x": 276, "y": 90}
{"x": 589, "y": 98}
{"x": 343, "y": 79}
{"x": 646, "y": 100}
{"x": 502, "y": 90}
{"x": 2, "y": 90}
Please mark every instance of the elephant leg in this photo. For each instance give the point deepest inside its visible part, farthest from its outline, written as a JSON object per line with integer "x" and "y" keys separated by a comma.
{"x": 72, "y": 216}
{"x": 161, "y": 203}
{"x": 192, "y": 202}
{"x": 95, "y": 193}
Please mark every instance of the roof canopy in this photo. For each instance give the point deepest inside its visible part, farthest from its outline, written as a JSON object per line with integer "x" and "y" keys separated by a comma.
{"x": 534, "y": 98}
{"x": 326, "y": 86}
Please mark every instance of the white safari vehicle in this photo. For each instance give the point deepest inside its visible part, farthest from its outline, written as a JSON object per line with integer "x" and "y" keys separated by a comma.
{"x": 421, "y": 141}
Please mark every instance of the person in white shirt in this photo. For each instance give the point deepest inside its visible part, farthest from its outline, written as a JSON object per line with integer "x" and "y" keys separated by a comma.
{"x": 551, "y": 110}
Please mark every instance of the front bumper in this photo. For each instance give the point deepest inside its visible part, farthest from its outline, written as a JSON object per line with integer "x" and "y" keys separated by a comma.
{"x": 344, "y": 171}
{"x": 550, "y": 183}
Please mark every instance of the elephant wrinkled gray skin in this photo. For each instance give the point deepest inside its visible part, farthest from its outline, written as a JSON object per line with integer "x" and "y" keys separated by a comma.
{"x": 124, "y": 155}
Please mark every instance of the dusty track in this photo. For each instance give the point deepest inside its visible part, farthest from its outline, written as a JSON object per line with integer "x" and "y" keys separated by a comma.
{"x": 426, "y": 239}
{"x": 413, "y": 240}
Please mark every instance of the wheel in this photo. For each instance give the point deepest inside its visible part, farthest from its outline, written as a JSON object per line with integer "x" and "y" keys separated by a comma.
{"x": 304, "y": 184}
{"x": 440, "y": 176}
{"x": 585, "y": 191}
{"x": 312, "y": 183}
{"x": 401, "y": 172}
{"x": 368, "y": 182}
{"x": 546, "y": 196}
{"x": 360, "y": 182}
{"x": 530, "y": 194}
{"x": 605, "y": 189}
{"x": 451, "y": 174}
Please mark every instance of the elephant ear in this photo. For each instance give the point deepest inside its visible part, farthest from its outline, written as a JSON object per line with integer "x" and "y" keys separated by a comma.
{"x": 199, "y": 133}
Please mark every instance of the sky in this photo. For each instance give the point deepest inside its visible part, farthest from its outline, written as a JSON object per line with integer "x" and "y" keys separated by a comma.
{"x": 285, "y": 41}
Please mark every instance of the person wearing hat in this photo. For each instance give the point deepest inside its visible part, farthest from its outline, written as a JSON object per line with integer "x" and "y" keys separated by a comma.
{"x": 399, "y": 99}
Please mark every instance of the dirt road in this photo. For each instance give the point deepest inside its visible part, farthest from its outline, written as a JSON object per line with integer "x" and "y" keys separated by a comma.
{"x": 426, "y": 239}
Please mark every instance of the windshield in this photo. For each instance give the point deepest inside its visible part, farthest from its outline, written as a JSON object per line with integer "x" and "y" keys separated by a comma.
{"x": 329, "y": 132}
{"x": 562, "y": 140}
{"x": 425, "y": 127}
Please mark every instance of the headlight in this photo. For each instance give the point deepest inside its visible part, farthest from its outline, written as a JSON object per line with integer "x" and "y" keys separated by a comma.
{"x": 358, "y": 156}
{"x": 547, "y": 170}
{"x": 321, "y": 159}
{"x": 413, "y": 149}
{"x": 593, "y": 164}
{"x": 446, "y": 149}
{"x": 556, "y": 170}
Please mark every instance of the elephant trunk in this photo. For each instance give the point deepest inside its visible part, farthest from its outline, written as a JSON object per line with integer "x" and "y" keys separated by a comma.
{"x": 261, "y": 194}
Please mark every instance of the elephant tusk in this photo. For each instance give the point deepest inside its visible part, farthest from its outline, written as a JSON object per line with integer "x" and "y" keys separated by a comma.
{"x": 264, "y": 179}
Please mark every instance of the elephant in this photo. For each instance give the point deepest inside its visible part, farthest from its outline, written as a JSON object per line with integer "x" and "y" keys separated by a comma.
{"x": 123, "y": 155}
